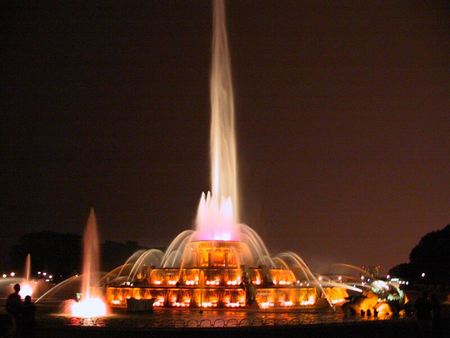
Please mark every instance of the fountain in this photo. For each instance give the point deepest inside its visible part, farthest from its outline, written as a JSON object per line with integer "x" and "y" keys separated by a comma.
{"x": 91, "y": 303}
{"x": 222, "y": 263}
{"x": 25, "y": 286}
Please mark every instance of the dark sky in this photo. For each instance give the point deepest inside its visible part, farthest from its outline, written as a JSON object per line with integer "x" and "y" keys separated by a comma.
{"x": 342, "y": 116}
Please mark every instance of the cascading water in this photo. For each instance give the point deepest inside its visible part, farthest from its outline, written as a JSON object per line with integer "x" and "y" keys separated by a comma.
{"x": 222, "y": 263}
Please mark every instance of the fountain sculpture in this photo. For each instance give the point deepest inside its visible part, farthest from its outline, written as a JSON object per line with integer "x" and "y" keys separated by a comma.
{"x": 221, "y": 263}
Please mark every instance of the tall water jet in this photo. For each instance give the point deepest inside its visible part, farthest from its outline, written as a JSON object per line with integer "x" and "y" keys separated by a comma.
{"x": 91, "y": 304}
{"x": 224, "y": 183}
{"x": 25, "y": 288}
{"x": 91, "y": 257}
{"x": 222, "y": 263}
{"x": 27, "y": 267}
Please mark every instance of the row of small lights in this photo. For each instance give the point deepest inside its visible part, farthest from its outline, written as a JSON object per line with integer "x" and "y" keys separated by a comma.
{"x": 216, "y": 282}
{"x": 12, "y": 274}
{"x": 44, "y": 275}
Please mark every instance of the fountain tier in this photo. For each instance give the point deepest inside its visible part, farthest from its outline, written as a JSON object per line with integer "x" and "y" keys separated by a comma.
{"x": 211, "y": 276}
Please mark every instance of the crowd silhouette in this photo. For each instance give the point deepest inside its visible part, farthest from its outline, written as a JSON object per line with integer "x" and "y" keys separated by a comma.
{"x": 22, "y": 315}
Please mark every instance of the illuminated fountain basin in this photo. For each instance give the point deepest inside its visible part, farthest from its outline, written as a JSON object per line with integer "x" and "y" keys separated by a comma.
{"x": 211, "y": 277}
{"x": 197, "y": 273}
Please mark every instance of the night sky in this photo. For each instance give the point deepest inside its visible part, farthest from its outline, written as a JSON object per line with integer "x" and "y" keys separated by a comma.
{"x": 343, "y": 121}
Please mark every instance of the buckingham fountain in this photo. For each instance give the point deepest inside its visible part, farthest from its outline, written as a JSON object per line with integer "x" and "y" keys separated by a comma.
{"x": 221, "y": 263}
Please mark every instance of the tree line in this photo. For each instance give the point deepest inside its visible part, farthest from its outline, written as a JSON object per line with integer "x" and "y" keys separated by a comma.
{"x": 61, "y": 253}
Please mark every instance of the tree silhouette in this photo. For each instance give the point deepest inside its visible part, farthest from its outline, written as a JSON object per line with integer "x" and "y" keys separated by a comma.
{"x": 61, "y": 253}
{"x": 430, "y": 256}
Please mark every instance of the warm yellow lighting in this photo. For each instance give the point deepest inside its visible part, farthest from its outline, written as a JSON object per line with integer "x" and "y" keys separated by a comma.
{"x": 310, "y": 301}
{"x": 159, "y": 301}
{"x": 88, "y": 308}
{"x": 266, "y": 305}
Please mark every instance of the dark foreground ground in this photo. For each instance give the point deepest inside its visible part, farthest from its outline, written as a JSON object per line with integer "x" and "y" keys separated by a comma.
{"x": 395, "y": 328}
{"x": 243, "y": 324}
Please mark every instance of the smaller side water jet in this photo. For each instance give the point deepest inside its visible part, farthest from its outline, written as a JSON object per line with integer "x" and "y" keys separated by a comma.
{"x": 25, "y": 286}
{"x": 91, "y": 303}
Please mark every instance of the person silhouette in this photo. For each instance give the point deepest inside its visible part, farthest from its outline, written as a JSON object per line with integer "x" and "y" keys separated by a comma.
{"x": 28, "y": 318}
{"x": 14, "y": 307}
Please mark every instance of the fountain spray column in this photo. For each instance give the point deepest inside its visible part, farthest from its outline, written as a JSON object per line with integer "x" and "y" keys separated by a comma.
{"x": 91, "y": 256}
{"x": 223, "y": 139}
{"x": 27, "y": 267}
{"x": 26, "y": 288}
{"x": 91, "y": 304}
{"x": 218, "y": 211}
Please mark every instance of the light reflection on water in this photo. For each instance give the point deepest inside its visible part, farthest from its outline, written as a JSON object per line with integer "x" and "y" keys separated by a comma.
{"x": 214, "y": 318}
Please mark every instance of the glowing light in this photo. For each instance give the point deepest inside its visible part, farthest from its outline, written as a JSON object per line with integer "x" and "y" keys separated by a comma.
{"x": 422, "y": 275}
{"x": 286, "y": 303}
{"x": 310, "y": 301}
{"x": 4, "y": 275}
{"x": 266, "y": 305}
{"x": 215, "y": 219}
{"x": 25, "y": 290}
{"x": 159, "y": 301}
{"x": 12, "y": 274}
{"x": 337, "y": 301}
{"x": 209, "y": 304}
{"x": 88, "y": 308}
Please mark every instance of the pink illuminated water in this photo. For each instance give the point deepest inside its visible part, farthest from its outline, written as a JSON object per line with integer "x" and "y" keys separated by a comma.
{"x": 218, "y": 212}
